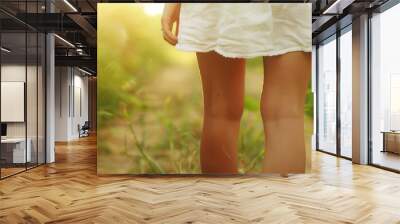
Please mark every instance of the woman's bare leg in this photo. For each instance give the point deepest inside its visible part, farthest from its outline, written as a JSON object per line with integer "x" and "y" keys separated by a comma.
{"x": 223, "y": 90}
{"x": 282, "y": 107}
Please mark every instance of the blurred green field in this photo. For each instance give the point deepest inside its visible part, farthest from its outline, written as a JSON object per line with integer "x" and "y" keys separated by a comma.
{"x": 150, "y": 100}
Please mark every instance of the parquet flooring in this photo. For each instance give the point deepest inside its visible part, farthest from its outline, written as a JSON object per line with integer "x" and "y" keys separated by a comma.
{"x": 69, "y": 191}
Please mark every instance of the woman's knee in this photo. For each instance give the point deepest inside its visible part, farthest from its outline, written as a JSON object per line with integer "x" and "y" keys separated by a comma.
{"x": 226, "y": 111}
{"x": 279, "y": 109}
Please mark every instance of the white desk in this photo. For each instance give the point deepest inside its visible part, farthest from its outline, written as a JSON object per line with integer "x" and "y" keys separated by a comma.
{"x": 18, "y": 149}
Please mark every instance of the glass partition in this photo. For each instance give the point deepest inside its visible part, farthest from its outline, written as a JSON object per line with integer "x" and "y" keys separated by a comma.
{"x": 14, "y": 153}
{"x": 23, "y": 91}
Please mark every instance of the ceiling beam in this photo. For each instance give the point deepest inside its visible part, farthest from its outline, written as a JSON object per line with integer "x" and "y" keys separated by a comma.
{"x": 86, "y": 26}
{"x": 79, "y": 61}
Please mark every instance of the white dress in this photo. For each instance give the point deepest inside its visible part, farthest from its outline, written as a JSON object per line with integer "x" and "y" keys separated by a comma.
{"x": 245, "y": 30}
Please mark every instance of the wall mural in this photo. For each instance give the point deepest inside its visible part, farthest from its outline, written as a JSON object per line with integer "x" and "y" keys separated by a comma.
{"x": 151, "y": 109}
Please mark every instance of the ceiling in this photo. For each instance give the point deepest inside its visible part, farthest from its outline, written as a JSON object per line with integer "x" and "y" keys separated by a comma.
{"x": 74, "y": 22}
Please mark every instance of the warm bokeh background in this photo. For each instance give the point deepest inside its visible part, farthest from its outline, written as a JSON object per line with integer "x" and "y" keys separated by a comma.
{"x": 150, "y": 99}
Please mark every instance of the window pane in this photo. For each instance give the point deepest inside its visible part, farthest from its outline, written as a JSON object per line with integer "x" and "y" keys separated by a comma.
{"x": 346, "y": 94}
{"x": 386, "y": 89}
{"x": 327, "y": 97}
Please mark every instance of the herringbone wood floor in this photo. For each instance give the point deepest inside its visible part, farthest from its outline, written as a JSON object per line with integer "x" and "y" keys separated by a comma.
{"x": 70, "y": 192}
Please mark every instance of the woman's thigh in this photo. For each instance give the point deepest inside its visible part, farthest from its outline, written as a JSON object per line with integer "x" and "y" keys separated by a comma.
{"x": 223, "y": 84}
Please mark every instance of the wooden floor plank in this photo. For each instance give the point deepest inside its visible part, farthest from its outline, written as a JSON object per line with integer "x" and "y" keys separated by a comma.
{"x": 69, "y": 191}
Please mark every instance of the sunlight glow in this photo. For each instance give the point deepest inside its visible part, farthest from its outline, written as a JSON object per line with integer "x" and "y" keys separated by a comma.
{"x": 153, "y": 9}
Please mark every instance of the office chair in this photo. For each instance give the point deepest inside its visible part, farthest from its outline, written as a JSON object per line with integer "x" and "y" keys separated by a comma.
{"x": 84, "y": 130}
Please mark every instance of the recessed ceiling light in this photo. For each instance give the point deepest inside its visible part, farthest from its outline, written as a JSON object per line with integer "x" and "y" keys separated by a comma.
{"x": 5, "y": 50}
{"x": 84, "y": 71}
{"x": 332, "y": 8}
{"x": 65, "y": 41}
{"x": 338, "y": 6}
{"x": 70, "y": 5}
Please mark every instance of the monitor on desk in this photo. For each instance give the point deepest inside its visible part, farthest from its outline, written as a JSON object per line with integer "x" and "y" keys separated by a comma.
{"x": 3, "y": 130}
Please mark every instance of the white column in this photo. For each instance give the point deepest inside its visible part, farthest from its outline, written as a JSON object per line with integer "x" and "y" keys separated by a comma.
{"x": 360, "y": 90}
{"x": 50, "y": 92}
{"x": 50, "y": 99}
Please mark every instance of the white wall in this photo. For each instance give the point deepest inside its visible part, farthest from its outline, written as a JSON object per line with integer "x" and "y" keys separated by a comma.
{"x": 13, "y": 73}
{"x": 71, "y": 102}
{"x": 62, "y": 81}
{"x": 80, "y": 109}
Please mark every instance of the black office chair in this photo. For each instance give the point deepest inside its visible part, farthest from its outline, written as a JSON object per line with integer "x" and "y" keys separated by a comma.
{"x": 84, "y": 130}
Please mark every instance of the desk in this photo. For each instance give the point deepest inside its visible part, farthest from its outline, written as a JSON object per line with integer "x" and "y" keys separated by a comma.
{"x": 13, "y": 150}
{"x": 391, "y": 141}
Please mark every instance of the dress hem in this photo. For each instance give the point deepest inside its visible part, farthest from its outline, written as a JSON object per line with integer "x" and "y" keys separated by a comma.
{"x": 242, "y": 55}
